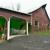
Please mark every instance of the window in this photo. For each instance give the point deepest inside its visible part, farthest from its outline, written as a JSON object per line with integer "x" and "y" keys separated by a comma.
{"x": 36, "y": 22}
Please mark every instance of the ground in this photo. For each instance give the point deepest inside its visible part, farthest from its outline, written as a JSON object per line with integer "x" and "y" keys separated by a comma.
{"x": 30, "y": 42}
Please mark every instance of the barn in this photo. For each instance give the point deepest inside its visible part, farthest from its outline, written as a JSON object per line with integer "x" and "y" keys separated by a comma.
{"x": 13, "y": 23}
{"x": 40, "y": 20}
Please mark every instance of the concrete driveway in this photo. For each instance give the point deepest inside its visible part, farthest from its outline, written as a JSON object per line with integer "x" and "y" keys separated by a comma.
{"x": 27, "y": 43}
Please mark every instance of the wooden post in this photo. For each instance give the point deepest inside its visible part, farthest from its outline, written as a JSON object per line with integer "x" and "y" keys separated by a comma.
{"x": 8, "y": 29}
{"x": 27, "y": 27}
{"x": 38, "y": 26}
{"x": 31, "y": 19}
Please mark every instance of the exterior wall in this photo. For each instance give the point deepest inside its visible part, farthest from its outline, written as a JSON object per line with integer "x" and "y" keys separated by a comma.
{"x": 40, "y": 16}
{"x": 7, "y": 15}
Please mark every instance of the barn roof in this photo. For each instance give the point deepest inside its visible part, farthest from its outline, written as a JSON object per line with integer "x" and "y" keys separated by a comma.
{"x": 8, "y": 10}
{"x": 43, "y": 6}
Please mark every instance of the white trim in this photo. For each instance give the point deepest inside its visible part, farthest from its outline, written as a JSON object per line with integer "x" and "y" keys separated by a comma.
{"x": 12, "y": 36}
{"x": 27, "y": 27}
{"x": 8, "y": 29}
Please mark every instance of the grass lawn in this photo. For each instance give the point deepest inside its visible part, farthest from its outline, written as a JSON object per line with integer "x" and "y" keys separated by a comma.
{"x": 47, "y": 33}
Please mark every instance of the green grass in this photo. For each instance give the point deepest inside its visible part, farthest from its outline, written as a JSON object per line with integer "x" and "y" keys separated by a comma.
{"x": 17, "y": 23}
{"x": 45, "y": 33}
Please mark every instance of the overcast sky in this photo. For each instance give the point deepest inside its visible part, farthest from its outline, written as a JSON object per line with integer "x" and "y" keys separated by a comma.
{"x": 25, "y": 5}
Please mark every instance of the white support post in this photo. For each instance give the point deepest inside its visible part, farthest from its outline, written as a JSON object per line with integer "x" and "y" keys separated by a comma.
{"x": 8, "y": 29}
{"x": 27, "y": 27}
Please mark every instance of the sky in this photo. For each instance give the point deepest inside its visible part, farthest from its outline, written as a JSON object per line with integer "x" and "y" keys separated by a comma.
{"x": 25, "y": 5}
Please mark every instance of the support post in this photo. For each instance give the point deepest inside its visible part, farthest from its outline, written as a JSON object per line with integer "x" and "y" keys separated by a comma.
{"x": 8, "y": 29}
{"x": 31, "y": 19}
{"x": 38, "y": 26}
{"x": 27, "y": 27}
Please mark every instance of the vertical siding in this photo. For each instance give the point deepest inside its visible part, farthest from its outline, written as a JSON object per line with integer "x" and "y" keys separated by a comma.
{"x": 40, "y": 15}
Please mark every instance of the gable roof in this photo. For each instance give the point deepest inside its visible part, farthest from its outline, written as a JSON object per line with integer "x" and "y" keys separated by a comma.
{"x": 4, "y": 9}
{"x": 43, "y": 6}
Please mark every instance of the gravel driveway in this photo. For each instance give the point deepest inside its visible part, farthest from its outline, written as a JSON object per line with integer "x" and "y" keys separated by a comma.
{"x": 30, "y": 42}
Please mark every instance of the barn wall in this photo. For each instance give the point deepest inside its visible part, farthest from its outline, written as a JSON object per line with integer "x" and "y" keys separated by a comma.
{"x": 40, "y": 16}
{"x": 7, "y": 14}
